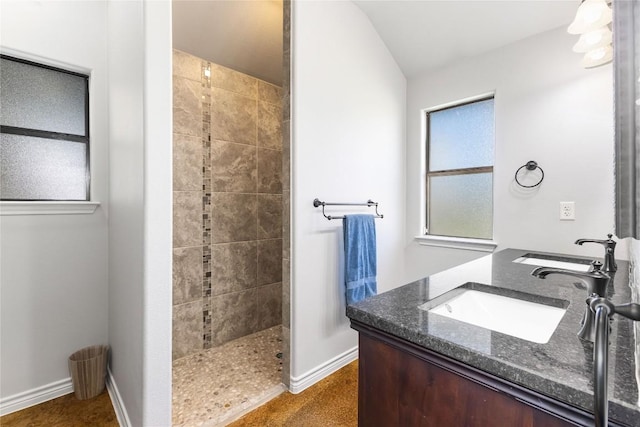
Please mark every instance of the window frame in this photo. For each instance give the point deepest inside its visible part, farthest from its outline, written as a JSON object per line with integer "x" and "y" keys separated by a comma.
{"x": 453, "y": 172}
{"x": 37, "y": 133}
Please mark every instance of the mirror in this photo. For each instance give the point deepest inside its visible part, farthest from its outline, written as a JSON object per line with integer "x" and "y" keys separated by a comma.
{"x": 627, "y": 163}
{"x": 548, "y": 109}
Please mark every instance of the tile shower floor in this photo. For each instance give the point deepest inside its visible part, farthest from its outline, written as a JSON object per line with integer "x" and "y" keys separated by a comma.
{"x": 216, "y": 386}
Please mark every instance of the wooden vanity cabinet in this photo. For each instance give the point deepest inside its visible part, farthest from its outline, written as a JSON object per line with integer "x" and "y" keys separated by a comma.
{"x": 402, "y": 384}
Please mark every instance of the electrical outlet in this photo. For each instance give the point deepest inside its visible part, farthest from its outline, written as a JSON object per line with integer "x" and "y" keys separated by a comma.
{"x": 567, "y": 211}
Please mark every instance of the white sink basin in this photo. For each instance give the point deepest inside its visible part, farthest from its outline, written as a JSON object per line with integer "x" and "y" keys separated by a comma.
{"x": 519, "y": 318}
{"x": 531, "y": 259}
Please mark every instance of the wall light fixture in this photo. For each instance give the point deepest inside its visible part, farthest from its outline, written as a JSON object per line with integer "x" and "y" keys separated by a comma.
{"x": 592, "y": 23}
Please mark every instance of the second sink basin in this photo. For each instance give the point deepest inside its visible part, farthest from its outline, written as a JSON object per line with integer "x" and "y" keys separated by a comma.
{"x": 542, "y": 260}
{"x": 516, "y": 315}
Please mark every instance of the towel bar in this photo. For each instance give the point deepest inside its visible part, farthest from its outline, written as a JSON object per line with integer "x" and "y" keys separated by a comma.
{"x": 369, "y": 203}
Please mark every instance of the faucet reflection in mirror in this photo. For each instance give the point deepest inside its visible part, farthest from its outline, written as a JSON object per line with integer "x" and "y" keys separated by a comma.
{"x": 609, "y": 244}
{"x": 592, "y": 23}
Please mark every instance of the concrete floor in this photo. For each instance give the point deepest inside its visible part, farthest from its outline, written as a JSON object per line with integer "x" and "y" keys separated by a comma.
{"x": 65, "y": 411}
{"x": 331, "y": 402}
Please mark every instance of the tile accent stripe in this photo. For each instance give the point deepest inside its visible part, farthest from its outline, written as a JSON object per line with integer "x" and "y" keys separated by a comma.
{"x": 206, "y": 203}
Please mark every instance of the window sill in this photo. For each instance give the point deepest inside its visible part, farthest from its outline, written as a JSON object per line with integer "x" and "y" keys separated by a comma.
{"x": 48, "y": 208}
{"x": 479, "y": 245}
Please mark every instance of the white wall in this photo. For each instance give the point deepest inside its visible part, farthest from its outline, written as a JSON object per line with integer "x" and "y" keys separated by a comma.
{"x": 140, "y": 215}
{"x": 126, "y": 219}
{"x": 547, "y": 109}
{"x": 348, "y": 104}
{"x": 158, "y": 244}
{"x": 68, "y": 281}
{"x": 54, "y": 267}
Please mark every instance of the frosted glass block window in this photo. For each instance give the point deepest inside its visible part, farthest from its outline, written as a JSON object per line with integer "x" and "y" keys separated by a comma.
{"x": 56, "y": 169}
{"x": 44, "y": 132}
{"x": 460, "y": 141}
{"x": 464, "y": 205}
{"x": 461, "y": 137}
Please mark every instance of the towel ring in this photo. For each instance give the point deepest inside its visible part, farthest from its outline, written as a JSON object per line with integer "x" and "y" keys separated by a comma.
{"x": 531, "y": 165}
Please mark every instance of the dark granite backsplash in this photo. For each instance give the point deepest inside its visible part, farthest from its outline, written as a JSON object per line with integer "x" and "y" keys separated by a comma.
{"x": 561, "y": 368}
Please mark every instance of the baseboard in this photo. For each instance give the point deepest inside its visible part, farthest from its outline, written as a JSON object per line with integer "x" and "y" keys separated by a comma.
{"x": 35, "y": 396}
{"x": 311, "y": 377}
{"x": 116, "y": 400}
{"x": 270, "y": 394}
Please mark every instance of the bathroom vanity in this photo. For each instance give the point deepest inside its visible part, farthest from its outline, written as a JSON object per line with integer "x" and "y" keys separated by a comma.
{"x": 420, "y": 368}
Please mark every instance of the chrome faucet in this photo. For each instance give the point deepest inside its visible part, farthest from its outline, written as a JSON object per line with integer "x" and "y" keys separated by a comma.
{"x": 596, "y": 281}
{"x": 610, "y": 265}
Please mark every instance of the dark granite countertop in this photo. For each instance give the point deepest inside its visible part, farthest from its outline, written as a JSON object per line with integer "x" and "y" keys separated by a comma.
{"x": 561, "y": 368}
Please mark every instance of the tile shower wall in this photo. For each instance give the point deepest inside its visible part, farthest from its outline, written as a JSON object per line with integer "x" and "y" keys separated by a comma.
{"x": 227, "y": 256}
{"x": 286, "y": 194}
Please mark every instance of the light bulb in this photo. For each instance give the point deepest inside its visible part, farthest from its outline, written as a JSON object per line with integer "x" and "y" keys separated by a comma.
{"x": 597, "y": 57}
{"x": 593, "y": 39}
{"x": 591, "y": 15}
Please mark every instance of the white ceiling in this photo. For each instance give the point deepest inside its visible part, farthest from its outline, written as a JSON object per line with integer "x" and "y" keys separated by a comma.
{"x": 428, "y": 34}
{"x": 246, "y": 35}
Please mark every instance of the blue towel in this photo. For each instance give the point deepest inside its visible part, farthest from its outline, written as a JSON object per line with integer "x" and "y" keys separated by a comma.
{"x": 359, "y": 257}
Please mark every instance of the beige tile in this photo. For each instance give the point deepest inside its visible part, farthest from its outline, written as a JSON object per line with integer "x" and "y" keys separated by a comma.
{"x": 269, "y": 261}
{"x": 286, "y": 85}
{"x": 269, "y": 93}
{"x": 286, "y": 293}
{"x": 286, "y": 107}
{"x": 269, "y": 216}
{"x": 269, "y": 126}
{"x": 286, "y": 23}
{"x": 186, "y": 65}
{"x": 233, "y": 315}
{"x": 233, "y": 167}
{"x": 286, "y": 224}
{"x": 234, "y": 267}
{"x": 234, "y": 81}
{"x": 286, "y": 358}
{"x": 187, "y": 218}
{"x": 269, "y": 171}
{"x": 187, "y": 329}
{"x": 269, "y": 305}
{"x": 187, "y": 162}
{"x": 286, "y": 155}
{"x": 187, "y": 107}
{"x": 233, "y": 217}
{"x": 233, "y": 117}
{"x": 187, "y": 275}
{"x": 286, "y": 274}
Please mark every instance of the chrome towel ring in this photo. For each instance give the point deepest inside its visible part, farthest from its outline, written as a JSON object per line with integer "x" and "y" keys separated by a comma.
{"x": 531, "y": 165}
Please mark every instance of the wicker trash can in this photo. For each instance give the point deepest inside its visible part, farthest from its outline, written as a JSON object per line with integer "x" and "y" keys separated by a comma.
{"x": 88, "y": 368}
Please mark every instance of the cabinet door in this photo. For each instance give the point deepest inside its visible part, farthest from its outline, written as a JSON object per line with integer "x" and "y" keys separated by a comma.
{"x": 399, "y": 389}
